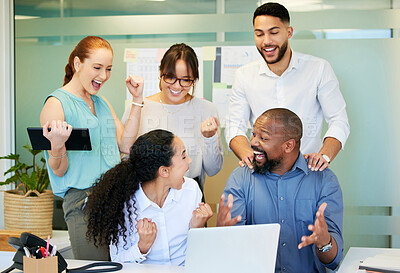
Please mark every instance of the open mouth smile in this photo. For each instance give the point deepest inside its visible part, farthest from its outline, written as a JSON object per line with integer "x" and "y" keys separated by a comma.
{"x": 270, "y": 50}
{"x": 96, "y": 84}
{"x": 259, "y": 155}
{"x": 175, "y": 93}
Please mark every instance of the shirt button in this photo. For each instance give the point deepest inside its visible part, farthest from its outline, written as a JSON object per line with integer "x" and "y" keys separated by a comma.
{"x": 284, "y": 269}
{"x": 283, "y": 244}
{"x": 281, "y": 198}
{"x": 283, "y": 221}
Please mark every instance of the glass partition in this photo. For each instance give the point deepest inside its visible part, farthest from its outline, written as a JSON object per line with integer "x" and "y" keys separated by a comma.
{"x": 358, "y": 38}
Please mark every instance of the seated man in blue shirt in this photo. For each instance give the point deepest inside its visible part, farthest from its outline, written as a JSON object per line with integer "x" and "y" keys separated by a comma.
{"x": 281, "y": 189}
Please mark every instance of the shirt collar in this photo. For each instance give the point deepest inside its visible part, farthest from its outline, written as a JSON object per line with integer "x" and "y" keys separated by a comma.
{"x": 264, "y": 69}
{"x": 294, "y": 61}
{"x": 143, "y": 202}
{"x": 301, "y": 164}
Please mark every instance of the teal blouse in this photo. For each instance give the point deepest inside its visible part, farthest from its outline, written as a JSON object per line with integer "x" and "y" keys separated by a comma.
{"x": 84, "y": 167}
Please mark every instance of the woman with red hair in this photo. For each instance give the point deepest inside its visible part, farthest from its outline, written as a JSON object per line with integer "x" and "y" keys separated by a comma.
{"x": 77, "y": 105}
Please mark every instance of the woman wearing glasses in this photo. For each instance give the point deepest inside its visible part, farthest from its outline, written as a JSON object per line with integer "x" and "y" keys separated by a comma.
{"x": 192, "y": 119}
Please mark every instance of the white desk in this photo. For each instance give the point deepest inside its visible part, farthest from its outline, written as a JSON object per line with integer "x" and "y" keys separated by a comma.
{"x": 6, "y": 261}
{"x": 356, "y": 254}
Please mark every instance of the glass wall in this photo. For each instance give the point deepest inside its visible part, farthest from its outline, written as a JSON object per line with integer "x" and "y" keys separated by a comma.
{"x": 359, "y": 39}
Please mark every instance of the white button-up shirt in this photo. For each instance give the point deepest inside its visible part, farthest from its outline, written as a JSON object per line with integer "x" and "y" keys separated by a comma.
{"x": 172, "y": 221}
{"x": 308, "y": 87}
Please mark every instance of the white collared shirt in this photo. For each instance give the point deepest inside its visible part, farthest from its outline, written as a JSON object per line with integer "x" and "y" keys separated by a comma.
{"x": 308, "y": 87}
{"x": 172, "y": 221}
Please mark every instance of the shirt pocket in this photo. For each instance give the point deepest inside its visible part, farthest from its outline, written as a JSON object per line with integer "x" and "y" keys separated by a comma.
{"x": 304, "y": 216}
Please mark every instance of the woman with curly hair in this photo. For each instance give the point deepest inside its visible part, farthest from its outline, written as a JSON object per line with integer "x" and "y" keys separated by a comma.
{"x": 144, "y": 207}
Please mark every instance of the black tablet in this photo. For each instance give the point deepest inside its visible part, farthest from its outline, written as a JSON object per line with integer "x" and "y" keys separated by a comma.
{"x": 79, "y": 140}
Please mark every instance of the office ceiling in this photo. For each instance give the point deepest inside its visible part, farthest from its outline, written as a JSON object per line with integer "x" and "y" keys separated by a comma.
{"x": 78, "y": 8}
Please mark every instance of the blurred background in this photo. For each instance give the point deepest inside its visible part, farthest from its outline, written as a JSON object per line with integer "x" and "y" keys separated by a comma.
{"x": 360, "y": 39}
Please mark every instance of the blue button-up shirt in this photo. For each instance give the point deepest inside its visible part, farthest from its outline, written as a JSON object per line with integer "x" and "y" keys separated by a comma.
{"x": 291, "y": 200}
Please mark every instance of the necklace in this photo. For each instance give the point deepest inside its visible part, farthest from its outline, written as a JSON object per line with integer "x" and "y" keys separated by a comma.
{"x": 172, "y": 112}
{"x": 91, "y": 105}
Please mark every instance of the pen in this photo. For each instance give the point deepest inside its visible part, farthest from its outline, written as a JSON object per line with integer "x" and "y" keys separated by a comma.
{"x": 42, "y": 251}
{"x": 47, "y": 245}
{"x": 54, "y": 250}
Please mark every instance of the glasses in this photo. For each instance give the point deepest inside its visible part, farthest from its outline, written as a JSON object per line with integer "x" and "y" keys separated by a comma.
{"x": 182, "y": 82}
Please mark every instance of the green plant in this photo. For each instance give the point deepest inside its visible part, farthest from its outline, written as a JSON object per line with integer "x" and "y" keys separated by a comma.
{"x": 29, "y": 177}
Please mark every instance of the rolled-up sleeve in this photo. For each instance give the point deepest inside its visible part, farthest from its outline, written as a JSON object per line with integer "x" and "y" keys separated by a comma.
{"x": 239, "y": 110}
{"x": 333, "y": 105}
{"x": 331, "y": 194}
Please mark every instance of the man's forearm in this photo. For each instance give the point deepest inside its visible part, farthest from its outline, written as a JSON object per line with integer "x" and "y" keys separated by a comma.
{"x": 240, "y": 146}
{"x": 331, "y": 147}
{"x": 328, "y": 257}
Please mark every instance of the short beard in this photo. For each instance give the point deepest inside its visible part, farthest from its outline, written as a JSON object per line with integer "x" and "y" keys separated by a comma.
{"x": 281, "y": 53}
{"x": 268, "y": 165}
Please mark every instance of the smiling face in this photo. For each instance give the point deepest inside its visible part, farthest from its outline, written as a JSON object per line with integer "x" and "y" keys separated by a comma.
{"x": 268, "y": 144}
{"x": 272, "y": 36}
{"x": 179, "y": 164}
{"x": 95, "y": 70}
{"x": 175, "y": 93}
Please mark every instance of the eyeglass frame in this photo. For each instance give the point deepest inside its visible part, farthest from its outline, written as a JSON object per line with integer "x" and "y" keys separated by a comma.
{"x": 179, "y": 80}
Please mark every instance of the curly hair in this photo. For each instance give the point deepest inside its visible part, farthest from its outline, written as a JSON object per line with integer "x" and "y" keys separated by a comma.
{"x": 115, "y": 189}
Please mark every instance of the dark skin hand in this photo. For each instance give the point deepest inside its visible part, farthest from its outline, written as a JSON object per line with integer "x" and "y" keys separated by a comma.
{"x": 224, "y": 217}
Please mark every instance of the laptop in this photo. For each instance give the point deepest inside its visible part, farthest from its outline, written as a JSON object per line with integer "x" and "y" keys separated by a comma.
{"x": 234, "y": 249}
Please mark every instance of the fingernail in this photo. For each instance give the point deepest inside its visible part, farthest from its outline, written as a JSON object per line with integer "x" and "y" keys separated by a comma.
{"x": 309, "y": 166}
{"x": 303, "y": 239}
{"x": 312, "y": 169}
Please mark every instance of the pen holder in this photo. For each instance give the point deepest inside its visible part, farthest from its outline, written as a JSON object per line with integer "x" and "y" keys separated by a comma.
{"x": 45, "y": 265}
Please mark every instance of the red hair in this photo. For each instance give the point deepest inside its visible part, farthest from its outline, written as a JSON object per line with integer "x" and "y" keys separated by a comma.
{"x": 82, "y": 51}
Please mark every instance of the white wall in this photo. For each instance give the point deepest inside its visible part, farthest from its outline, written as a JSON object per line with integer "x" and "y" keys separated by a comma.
{"x": 6, "y": 90}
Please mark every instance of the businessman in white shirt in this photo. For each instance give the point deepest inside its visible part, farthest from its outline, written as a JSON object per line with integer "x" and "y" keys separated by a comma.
{"x": 305, "y": 84}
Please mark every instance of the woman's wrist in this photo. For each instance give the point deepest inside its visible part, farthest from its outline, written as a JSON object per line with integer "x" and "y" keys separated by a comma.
{"x": 137, "y": 99}
{"x": 140, "y": 104}
{"x": 58, "y": 150}
{"x": 58, "y": 156}
{"x": 144, "y": 247}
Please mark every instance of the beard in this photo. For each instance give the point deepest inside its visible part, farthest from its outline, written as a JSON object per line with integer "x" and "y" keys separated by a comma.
{"x": 281, "y": 52}
{"x": 268, "y": 165}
